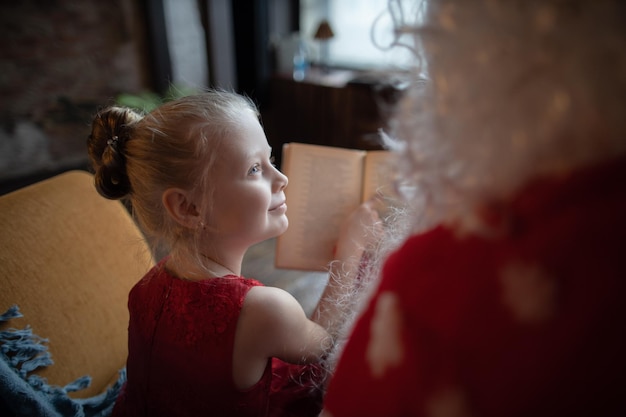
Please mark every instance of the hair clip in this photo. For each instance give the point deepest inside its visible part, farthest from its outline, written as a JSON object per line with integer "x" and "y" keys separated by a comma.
{"x": 113, "y": 142}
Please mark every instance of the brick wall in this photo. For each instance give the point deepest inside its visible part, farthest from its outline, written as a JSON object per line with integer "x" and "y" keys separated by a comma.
{"x": 59, "y": 61}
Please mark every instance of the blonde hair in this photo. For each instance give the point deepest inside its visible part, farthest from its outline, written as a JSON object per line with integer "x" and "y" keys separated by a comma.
{"x": 137, "y": 157}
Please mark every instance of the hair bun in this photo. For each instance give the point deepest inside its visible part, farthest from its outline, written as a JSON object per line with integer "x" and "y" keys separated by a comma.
{"x": 112, "y": 183}
{"x": 106, "y": 145}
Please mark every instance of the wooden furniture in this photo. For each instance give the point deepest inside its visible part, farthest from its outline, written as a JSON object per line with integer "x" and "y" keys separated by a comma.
{"x": 336, "y": 108}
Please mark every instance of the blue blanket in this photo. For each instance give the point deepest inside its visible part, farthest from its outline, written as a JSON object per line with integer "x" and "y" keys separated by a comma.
{"x": 24, "y": 394}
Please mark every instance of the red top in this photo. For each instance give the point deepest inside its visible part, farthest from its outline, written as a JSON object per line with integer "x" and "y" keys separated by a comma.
{"x": 181, "y": 338}
{"x": 527, "y": 322}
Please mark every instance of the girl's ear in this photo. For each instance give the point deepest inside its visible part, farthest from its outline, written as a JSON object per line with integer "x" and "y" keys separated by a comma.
{"x": 181, "y": 208}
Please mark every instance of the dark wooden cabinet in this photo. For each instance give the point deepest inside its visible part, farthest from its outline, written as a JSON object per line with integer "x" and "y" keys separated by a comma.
{"x": 338, "y": 108}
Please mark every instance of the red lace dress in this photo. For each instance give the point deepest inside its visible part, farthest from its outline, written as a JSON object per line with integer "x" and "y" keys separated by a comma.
{"x": 528, "y": 322}
{"x": 181, "y": 338}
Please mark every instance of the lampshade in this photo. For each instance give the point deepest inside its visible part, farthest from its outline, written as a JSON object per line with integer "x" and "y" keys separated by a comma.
{"x": 324, "y": 31}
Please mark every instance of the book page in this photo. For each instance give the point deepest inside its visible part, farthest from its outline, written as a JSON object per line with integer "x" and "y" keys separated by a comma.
{"x": 378, "y": 174}
{"x": 324, "y": 187}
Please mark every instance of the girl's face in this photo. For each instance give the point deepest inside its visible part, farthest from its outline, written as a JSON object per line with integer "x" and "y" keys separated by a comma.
{"x": 248, "y": 201}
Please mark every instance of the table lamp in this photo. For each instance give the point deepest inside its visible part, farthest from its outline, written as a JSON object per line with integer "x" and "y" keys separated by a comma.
{"x": 323, "y": 34}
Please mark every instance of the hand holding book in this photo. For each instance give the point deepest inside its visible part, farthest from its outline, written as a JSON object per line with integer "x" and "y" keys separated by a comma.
{"x": 359, "y": 231}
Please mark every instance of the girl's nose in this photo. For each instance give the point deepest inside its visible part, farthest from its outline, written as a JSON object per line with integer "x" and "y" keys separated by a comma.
{"x": 281, "y": 180}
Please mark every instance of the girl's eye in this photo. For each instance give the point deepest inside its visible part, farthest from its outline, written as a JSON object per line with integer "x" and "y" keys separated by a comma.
{"x": 272, "y": 161}
{"x": 256, "y": 168}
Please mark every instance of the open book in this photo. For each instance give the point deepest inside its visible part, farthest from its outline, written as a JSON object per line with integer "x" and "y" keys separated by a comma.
{"x": 325, "y": 185}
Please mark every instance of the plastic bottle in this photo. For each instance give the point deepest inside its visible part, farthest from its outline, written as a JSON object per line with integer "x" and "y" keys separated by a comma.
{"x": 300, "y": 62}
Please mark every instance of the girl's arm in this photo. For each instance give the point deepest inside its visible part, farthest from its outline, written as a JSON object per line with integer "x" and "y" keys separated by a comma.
{"x": 358, "y": 232}
{"x": 273, "y": 324}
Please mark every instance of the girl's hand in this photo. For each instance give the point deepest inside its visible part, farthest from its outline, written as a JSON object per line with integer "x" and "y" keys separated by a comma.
{"x": 360, "y": 231}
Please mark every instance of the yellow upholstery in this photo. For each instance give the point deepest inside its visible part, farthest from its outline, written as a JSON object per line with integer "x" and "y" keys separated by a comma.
{"x": 68, "y": 259}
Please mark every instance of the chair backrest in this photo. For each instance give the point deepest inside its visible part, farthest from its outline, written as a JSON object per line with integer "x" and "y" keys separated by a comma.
{"x": 68, "y": 259}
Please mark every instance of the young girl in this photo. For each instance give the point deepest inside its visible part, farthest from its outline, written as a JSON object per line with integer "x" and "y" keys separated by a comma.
{"x": 203, "y": 340}
{"x": 509, "y": 297}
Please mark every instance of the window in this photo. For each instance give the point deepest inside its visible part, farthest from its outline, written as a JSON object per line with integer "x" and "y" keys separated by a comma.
{"x": 364, "y": 31}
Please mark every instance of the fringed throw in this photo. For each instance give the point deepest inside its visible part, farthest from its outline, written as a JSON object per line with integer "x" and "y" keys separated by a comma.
{"x": 21, "y": 394}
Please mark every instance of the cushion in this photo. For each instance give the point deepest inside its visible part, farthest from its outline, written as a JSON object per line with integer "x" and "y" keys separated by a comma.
{"x": 68, "y": 258}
